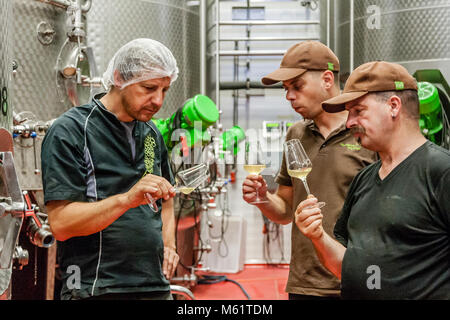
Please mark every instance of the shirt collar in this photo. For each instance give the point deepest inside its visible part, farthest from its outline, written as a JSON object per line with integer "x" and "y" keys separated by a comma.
{"x": 312, "y": 125}
{"x": 97, "y": 101}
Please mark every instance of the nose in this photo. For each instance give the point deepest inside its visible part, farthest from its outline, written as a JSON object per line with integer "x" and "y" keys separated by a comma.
{"x": 290, "y": 95}
{"x": 158, "y": 98}
{"x": 351, "y": 121}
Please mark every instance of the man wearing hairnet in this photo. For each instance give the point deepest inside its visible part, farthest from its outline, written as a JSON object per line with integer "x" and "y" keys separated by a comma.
{"x": 99, "y": 161}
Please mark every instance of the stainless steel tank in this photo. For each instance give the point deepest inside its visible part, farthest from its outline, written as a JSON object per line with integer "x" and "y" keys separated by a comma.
{"x": 38, "y": 44}
{"x": 109, "y": 25}
{"x": 414, "y": 33}
{"x": 5, "y": 64}
{"x": 112, "y": 23}
{"x": 5, "y": 115}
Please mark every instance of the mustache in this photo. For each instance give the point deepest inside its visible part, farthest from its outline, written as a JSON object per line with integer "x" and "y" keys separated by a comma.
{"x": 357, "y": 129}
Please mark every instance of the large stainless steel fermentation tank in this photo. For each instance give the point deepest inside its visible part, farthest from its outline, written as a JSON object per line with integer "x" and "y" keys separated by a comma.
{"x": 5, "y": 62}
{"x": 413, "y": 33}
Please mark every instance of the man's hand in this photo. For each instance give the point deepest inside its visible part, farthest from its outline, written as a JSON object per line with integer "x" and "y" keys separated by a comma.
{"x": 156, "y": 186}
{"x": 308, "y": 218}
{"x": 170, "y": 262}
{"x": 250, "y": 185}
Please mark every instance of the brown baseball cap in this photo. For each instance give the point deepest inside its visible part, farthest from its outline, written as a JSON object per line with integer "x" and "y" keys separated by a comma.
{"x": 301, "y": 57}
{"x": 376, "y": 76}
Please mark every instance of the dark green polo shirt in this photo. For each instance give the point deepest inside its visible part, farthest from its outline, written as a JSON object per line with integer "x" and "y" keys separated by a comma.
{"x": 87, "y": 156}
{"x": 397, "y": 230}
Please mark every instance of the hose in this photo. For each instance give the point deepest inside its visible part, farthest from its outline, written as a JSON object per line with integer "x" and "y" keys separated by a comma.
{"x": 217, "y": 279}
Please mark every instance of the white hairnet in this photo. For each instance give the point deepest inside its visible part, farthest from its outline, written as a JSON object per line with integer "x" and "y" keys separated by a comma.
{"x": 140, "y": 60}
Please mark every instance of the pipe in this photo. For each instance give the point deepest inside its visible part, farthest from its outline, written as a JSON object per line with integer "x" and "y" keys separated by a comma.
{"x": 86, "y": 6}
{"x": 180, "y": 290}
{"x": 328, "y": 23}
{"x": 65, "y": 3}
{"x": 267, "y": 23}
{"x": 78, "y": 22}
{"x": 237, "y": 85}
{"x": 58, "y": 3}
{"x": 40, "y": 236}
{"x": 235, "y": 78}
{"x": 269, "y": 39}
{"x": 352, "y": 31}
{"x": 203, "y": 47}
{"x": 231, "y": 53}
{"x": 218, "y": 57}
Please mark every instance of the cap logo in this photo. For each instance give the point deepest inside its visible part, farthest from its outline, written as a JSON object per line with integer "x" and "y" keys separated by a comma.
{"x": 330, "y": 66}
{"x": 399, "y": 85}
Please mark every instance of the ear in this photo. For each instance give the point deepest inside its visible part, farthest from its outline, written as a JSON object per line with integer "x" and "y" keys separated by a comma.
{"x": 328, "y": 79}
{"x": 396, "y": 105}
{"x": 118, "y": 81}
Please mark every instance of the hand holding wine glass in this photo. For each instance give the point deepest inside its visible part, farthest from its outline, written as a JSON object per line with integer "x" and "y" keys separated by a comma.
{"x": 255, "y": 163}
{"x": 298, "y": 163}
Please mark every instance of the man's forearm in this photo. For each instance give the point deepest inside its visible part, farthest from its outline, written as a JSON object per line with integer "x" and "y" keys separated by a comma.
{"x": 277, "y": 209}
{"x": 74, "y": 219}
{"x": 330, "y": 253}
{"x": 168, "y": 224}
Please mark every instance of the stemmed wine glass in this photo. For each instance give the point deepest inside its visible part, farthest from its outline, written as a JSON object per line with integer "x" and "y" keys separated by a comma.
{"x": 298, "y": 163}
{"x": 254, "y": 162}
{"x": 186, "y": 181}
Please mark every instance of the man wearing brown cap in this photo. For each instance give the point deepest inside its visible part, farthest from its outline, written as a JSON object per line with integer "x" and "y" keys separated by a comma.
{"x": 309, "y": 72}
{"x": 393, "y": 233}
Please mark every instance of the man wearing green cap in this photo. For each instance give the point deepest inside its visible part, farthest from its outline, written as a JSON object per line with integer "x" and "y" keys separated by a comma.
{"x": 309, "y": 72}
{"x": 393, "y": 233}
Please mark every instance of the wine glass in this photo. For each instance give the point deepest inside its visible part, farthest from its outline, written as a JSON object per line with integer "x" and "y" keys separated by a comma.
{"x": 298, "y": 163}
{"x": 186, "y": 181}
{"x": 254, "y": 162}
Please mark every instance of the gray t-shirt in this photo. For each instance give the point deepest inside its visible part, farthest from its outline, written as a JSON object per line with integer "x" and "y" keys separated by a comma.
{"x": 397, "y": 230}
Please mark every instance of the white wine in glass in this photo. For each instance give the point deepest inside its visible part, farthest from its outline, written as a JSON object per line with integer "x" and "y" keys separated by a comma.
{"x": 298, "y": 163}
{"x": 186, "y": 182}
{"x": 300, "y": 173}
{"x": 254, "y": 168}
{"x": 185, "y": 190}
{"x": 254, "y": 162}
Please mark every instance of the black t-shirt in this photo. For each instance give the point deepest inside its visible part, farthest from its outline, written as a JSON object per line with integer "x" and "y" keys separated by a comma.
{"x": 397, "y": 230}
{"x": 87, "y": 156}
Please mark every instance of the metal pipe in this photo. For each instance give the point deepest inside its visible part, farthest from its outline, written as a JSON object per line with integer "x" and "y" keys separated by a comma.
{"x": 180, "y": 290}
{"x": 58, "y": 3}
{"x": 86, "y": 6}
{"x": 218, "y": 57}
{"x": 237, "y": 85}
{"x": 78, "y": 17}
{"x": 269, "y": 39}
{"x": 328, "y": 23}
{"x": 352, "y": 31}
{"x": 267, "y": 22}
{"x": 235, "y": 92}
{"x": 232, "y": 53}
{"x": 203, "y": 47}
{"x": 65, "y": 3}
{"x": 40, "y": 236}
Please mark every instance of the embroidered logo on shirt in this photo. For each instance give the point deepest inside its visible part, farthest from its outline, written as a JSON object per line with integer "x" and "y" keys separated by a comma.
{"x": 149, "y": 153}
{"x": 351, "y": 147}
